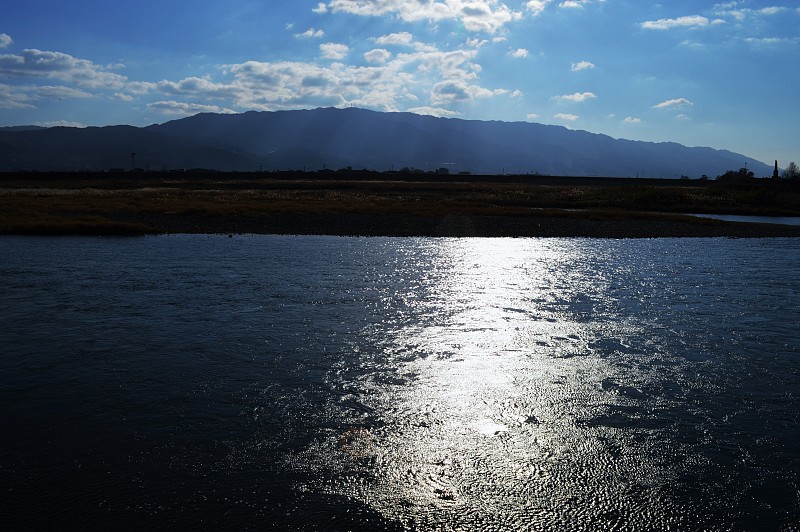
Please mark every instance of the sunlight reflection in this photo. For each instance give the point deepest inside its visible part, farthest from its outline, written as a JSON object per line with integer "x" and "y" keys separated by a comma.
{"x": 490, "y": 362}
{"x": 503, "y": 384}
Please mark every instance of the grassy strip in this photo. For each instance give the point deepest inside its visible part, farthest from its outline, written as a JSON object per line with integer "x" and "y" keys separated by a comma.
{"x": 67, "y": 226}
{"x": 113, "y": 207}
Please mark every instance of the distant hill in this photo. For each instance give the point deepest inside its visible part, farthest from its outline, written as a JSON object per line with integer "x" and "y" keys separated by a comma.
{"x": 20, "y": 128}
{"x": 337, "y": 138}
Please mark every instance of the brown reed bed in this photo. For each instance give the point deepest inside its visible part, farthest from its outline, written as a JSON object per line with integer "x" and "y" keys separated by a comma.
{"x": 97, "y": 204}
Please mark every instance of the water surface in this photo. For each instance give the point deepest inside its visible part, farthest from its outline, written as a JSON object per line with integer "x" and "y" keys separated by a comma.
{"x": 779, "y": 220}
{"x": 361, "y": 383}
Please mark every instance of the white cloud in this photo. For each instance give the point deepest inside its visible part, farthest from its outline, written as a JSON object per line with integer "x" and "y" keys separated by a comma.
{"x": 61, "y": 66}
{"x": 576, "y": 97}
{"x": 5, "y": 40}
{"x": 767, "y": 41}
{"x": 25, "y": 96}
{"x": 174, "y": 108}
{"x": 674, "y": 103}
{"x": 476, "y": 15}
{"x": 422, "y": 74}
{"x": 536, "y": 6}
{"x": 59, "y": 92}
{"x": 433, "y": 111}
{"x": 140, "y": 87}
{"x": 334, "y": 51}
{"x": 476, "y": 42}
{"x": 60, "y": 123}
{"x": 415, "y": 74}
{"x": 680, "y": 22}
{"x": 576, "y": 4}
{"x": 519, "y": 53}
{"x": 402, "y": 38}
{"x": 379, "y": 55}
{"x": 457, "y": 90}
{"x": 456, "y": 64}
{"x": 582, "y": 65}
{"x": 566, "y": 116}
{"x": 11, "y": 98}
{"x": 310, "y": 33}
{"x": 533, "y": 116}
{"x": 517, "y": 94}
{"x": 733, "y": 10}
{"x": 197, "y": 87}
{"x": 773, "y": 10}
{"x": 683, "y": 117}
{"x": 263, "y": 85}
{"x": 632, "y": 120}
{"x": 730, "y": 10}
{"x": 320, "y": 9}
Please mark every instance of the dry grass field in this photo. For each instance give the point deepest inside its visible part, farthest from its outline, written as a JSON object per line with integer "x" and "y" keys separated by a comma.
{"x": 131, "y": 204}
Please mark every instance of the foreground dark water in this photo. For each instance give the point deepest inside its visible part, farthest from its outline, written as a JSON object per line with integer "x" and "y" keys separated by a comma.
{"x": 345, "y": 383}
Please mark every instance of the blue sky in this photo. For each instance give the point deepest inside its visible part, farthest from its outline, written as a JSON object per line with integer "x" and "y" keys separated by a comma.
{"x": 724, "y": 75}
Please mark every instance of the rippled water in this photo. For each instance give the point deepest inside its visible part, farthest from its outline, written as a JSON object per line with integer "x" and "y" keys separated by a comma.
{"x": 353, "y": 383}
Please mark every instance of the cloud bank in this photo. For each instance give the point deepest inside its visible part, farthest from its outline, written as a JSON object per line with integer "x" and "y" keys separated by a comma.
{"x": 488, "y": 16}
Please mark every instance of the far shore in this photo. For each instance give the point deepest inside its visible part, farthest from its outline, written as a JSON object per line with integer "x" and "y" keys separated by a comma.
{"x": 376, "y": 204}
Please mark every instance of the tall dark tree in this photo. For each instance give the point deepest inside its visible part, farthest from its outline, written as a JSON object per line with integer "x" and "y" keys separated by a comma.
{"x": 792, "y": 171}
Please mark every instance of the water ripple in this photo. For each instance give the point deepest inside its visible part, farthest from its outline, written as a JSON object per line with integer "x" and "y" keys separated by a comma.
{"x": 460, "y": 384}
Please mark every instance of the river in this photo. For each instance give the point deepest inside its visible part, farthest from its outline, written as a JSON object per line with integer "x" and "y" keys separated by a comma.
{"x": 285, "y": 382}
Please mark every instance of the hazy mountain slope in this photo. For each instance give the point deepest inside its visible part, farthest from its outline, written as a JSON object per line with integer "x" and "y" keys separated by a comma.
{"x": 20, "y": 128}
{"x": 361, "y": 138}
{"x": 336, "y": 138}
{"x": 63, "y": 148}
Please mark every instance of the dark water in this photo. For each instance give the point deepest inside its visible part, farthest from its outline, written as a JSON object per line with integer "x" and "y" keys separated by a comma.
{"x": 780, "y": 220}
{"x": 342, "y": 383}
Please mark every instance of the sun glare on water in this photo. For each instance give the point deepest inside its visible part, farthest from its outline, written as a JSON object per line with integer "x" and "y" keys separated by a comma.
{"x": 497, "y": 373}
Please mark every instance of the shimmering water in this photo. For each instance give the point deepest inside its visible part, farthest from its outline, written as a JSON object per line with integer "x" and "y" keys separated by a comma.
{"x": 349, "y": 383}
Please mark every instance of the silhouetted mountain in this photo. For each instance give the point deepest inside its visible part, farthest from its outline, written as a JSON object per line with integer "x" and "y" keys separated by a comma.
{"x": 337, "y": 138}
{"x": 102, "y": 148}
{"x": 20, "y": 128}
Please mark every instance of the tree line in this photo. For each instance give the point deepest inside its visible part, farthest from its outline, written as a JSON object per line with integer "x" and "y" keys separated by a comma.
{"x": 792, "y": 171}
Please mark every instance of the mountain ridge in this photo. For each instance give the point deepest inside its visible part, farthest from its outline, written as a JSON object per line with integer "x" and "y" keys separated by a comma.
{"x": 337, "y": 138}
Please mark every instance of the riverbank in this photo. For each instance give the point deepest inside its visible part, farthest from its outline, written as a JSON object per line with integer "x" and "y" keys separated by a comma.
{"x": 231, "y": 203}
{"x": 596, "y": 225}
